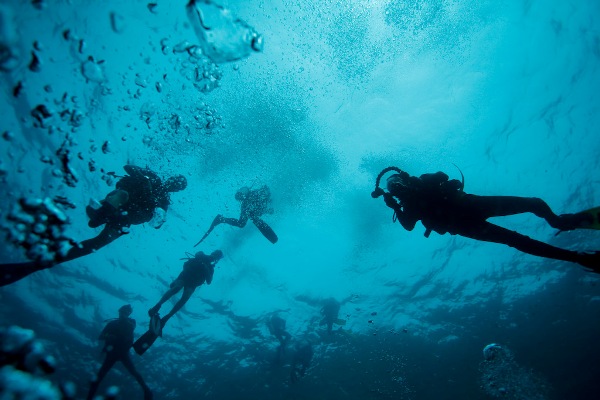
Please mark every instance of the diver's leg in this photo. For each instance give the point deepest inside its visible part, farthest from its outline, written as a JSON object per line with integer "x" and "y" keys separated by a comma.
{"x": 239, "y": 223}
{"x": 175, "y": 287}
{"x": 286, "y": 337}
{"x": 128, "y": 364}
{"x": 500, "y": 206}
{"x": 489, "y": 232}
{"x": 109, "y": 361}
{"x": 188, "y": 291}
{"x": 279, "y": 355}
{"x": 108, "y": 235}
{"x": 219, "y": 219}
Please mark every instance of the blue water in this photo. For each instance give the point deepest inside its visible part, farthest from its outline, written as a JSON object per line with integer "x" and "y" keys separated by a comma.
{"x": 507, "y": 91}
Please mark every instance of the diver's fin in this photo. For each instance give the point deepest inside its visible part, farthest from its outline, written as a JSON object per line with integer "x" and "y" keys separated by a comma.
{"x": 11, "y": 273}
{"x": 265, "y": 230}
{"x": 340, "y": 321}
{"x": 218, "y": 219}
{"x": 590, "y": 260}
{"x": 156, "y": 325}
{"x": 146, "y": 341}
{"x": 590, "y": 219}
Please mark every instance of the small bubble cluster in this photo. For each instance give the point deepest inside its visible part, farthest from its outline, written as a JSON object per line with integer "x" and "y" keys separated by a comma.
{"x": 204, "y": 74}
{"x": 38, "y": 226}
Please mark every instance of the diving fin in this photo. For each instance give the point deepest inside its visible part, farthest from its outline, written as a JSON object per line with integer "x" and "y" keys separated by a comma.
{"x": 156, "y": 325}
{"x": 590, "y": 219}
{"x": 146, "y": 341}
{"x": 11, "y": 273}
{"x": 266, "y": 230}
{"x": 218, "y": 219}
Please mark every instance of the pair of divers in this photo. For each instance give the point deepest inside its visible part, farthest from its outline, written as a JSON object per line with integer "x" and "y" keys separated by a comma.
{"x": 442, "y": 206}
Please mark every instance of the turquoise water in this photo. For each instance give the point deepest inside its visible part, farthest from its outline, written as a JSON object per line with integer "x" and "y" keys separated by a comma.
{"x": 507, "y": 91}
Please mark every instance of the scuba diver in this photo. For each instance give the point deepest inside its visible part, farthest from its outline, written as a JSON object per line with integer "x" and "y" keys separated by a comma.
{"x": 276, "y": 327}
{"x": 255, "y": 203}
{"x": 301, "y": 358}
{"x": 137, "y": 197}
{"x": 443, "y": 207}
{"x": 196, "y": 271}
{"x": 118, "y": 338}
{"x": 330, "y": 311}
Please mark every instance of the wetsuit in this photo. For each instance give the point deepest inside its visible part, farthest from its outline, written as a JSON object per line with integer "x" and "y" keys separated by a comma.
{"x": 277, "y": 328}
{"x": 196, "y": 271}
{"x": 330, "y": 310}
{"x": 255, "y": 203}
{"x": 301, "y": 359}
{"x": 118, "y": 338}
{"x": 145, "y": 193}
{"x": 442, "y": 207}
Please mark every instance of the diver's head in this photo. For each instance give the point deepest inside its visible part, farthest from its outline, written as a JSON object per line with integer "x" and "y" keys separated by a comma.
{"x": 398, "y": 183}
{"x": 175, "y": 183}
{"x": 125, "y": 311}
{"x": 216, "y": 255}
{"x": 242, "y": 193}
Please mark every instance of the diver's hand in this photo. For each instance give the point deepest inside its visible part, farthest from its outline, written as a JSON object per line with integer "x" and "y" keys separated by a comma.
{"x": 378, "y": 192}
{"x": 390, "y": 201}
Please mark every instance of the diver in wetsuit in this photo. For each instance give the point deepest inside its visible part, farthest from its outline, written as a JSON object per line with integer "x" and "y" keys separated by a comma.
{"x": 276, "y": 327}
{"x": 443, "y": 207}
{"x": 254, "y": 204}
{"x": 301, "y": 358}
{"x": 118, "y": 338}
{"x": 196, "y": 271}
{"x": 330, "y": 311}
{"x": 134, "y": 201}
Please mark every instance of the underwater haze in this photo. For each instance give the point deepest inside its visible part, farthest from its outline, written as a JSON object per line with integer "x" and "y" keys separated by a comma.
{"x": 330, "y": 93}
